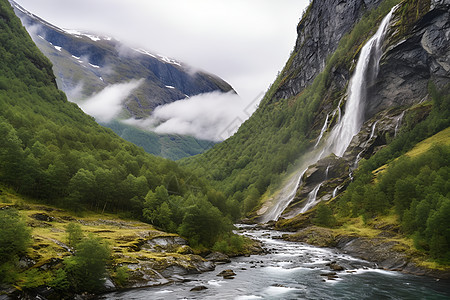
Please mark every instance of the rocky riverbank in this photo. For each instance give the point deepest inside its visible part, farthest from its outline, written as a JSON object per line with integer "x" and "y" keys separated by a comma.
{"x": 382, "y": 246}
{"x": 150, "y": 257}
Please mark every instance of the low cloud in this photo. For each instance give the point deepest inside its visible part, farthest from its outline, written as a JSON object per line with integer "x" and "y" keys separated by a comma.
{"x": 107, "y": 104}
{"x": 212, "y": 116}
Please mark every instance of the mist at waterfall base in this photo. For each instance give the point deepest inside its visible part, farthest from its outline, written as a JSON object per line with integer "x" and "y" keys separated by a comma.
{"x": 341, "y": 135}
{"x": 295, "y": 271}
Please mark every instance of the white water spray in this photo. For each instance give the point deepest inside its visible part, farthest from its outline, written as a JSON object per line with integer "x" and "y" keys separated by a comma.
{"x": 373, "y": 131}
{"x": 284, "y": 197}
{"x": 358, "y": 157}
{"x": 335, "y": 191}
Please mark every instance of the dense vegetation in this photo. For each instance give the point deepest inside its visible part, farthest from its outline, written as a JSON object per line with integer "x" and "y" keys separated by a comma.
{"x": 50, "y": 150}
{"x": 416, "y": 187}
{"x": 14, "y": 240}
{"x": 86, "y": 270}
{"x": 258, "y": 156}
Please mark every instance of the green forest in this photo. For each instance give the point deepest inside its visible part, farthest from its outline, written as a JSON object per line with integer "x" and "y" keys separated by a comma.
{"x": 416, "y": 188}
{"x": 51, "y": 151}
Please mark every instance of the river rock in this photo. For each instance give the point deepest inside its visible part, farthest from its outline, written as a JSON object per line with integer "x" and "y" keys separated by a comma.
{"x": 336, "y": 267}
{"x": 227, "y": 274}
{"x": 218, "y": 257}
{"x": 198, "y": 288}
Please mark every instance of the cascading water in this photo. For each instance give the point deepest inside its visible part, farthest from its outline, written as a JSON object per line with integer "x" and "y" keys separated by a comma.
{"x": 284, "y": 197}
{"x": 311, "y": 201}
{"x": 324, "y": 127}
{"x": 339, "y": 111}
{"x": 372, "y": 133}
{"x": 347, "y": 127}
{"x": 365, "y": 72}
{"x": 335, "y": 191}
{"x": 399, "y": 122}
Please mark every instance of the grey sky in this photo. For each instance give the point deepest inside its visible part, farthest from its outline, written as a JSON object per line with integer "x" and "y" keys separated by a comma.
{"x": 243, "y": 41}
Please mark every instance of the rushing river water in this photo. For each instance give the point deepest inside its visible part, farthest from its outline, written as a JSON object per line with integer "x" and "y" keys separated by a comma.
{"x": 293, "y": 271}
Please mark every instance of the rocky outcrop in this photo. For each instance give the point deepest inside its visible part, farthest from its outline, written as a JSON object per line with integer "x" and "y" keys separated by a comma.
{"x": 319, "y": 32}
{"x": 161, "y": 259}
{"x": 383, "y": 250}
{"x": 417, "y": 51}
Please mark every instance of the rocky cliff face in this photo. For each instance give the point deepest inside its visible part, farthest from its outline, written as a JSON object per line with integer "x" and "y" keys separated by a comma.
{"x": 416, "y": 52}
{"x": 319, "y": 33}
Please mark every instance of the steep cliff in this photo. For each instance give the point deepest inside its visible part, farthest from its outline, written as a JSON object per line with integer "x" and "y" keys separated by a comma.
{"x": 319, "y": 33}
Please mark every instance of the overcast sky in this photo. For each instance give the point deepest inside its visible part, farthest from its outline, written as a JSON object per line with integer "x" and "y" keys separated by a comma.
{"x": 246, "y": 42}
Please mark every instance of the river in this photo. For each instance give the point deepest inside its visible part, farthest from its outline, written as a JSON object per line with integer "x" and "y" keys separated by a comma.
{"x": 295, "y": 271}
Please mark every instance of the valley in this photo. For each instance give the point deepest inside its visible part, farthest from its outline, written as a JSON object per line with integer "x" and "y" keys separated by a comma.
{"x": 336, "y": 186}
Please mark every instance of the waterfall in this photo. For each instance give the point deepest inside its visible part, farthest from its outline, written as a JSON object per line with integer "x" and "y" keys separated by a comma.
{"x": 347, "y": 126}
{"x": 284, "y": 197}
{"x": 311, "y": 201}
{"x": 326, "y": 172}
{"x": 335, "y": 192}
{"x": 399, "y": 122}
{"x": 373, "y": 131}
{"x": 324, "y": 127}
{"x": 358, "y": 157}
{"x": 339, "y": 111}
{"x": 366, "y": 71}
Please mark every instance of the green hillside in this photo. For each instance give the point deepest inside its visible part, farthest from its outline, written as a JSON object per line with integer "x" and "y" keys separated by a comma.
{"x": 52, "y": 152}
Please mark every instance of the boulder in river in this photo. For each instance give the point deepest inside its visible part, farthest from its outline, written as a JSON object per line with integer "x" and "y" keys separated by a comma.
{"x": 218, "y": 257}
{"x": 198, "y": 288}
{"x": 227, "y": 274}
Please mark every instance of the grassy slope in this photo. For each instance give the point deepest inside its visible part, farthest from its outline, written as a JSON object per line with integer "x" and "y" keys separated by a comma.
{"x": 125, "y": 236}
{"x": 441, "y": 138}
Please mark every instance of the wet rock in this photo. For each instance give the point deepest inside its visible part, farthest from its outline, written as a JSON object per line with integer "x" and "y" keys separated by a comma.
{"x": 108, "y": 285}
{"x": 330, "y": 275}
{"x": 227, "y": 274}
{"x": 198, "y": 288}
{"x": 218, "y": 257}
{"x": 319, "y": 33}
{"x": 336, "y": 267}
{"x": 178, "y": 278}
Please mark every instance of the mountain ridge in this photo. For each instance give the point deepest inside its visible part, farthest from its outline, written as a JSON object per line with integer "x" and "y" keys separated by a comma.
{"x": 86, "y": 64}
